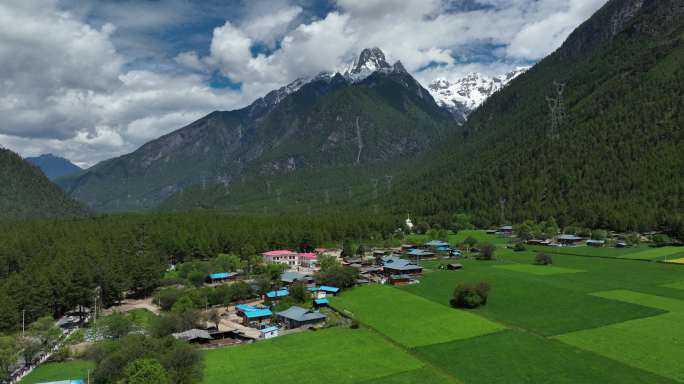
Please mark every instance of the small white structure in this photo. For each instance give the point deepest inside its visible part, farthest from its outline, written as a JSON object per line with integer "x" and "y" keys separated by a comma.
{"x": 268, "y": 333}
{"x": 409, "y": 223}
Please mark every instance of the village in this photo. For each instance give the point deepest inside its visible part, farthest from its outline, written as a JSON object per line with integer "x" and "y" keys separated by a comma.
{"x": 223, "y": 302}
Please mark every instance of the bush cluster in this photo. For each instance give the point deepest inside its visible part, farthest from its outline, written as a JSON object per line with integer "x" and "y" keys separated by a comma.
{"x": 470, "y": 295}
{"x": 543, "y": 259}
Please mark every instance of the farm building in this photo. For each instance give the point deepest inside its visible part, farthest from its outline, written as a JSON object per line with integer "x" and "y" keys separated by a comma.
{"x": 454, "y": 266}
{"x": 277, "y": 295}
{"x": 436, "y": 244}
{"x": 394, "y": 265}
{"x": 268, "y": 332}
{"x": 569, "y": 239}
{"x": 253, "y": 315}
{"x": 291, "y": 277}
{"x": 323, "y": 291}
{"x": 194, "y": 336}
{"x": 505, "y": 230}
{"x": 321, "y": 303}
{"x": 537, "y": 242}
{"x": 421, "y": 254}
{"x": 401, "y": 279}
{"x": 596, "y": 243}
{"x": 221, "y": 277}
{"x": 281, "y": 257}
{"x": 295, "y": 317}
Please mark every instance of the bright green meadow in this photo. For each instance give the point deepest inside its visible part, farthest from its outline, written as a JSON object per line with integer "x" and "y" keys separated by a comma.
{"x": 408, "y": 319}
{"x": 68, "y": 370}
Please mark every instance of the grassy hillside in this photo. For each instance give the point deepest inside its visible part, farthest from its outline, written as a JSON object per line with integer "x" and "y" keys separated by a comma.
{"x": 25, "y": 192}
{"x": 616, "y": 161}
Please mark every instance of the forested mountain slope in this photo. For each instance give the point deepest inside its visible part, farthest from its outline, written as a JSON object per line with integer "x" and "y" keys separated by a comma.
{"x": 25, "y": 192}
{"x": 332, "y": 125}
{"x": 614, "y": 160}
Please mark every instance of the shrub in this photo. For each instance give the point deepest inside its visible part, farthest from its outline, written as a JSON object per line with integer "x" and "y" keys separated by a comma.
{"x": 469, "y": 295}
{"x": 661, "y": 240}
{"x": 543, "y": 259}
{"x": 519, "y": 247}
{"x": 486, "y": 252}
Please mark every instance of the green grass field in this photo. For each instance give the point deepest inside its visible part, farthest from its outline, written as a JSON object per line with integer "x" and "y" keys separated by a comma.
{"x": 337, "y": 355}
{"x": 656, "y": 253}
{"x": 408, "y": 319}
{"x": 522, "y": 358}
{"x": 541, "y": 270}
{"x": 654, "y": 344}
{"x": 642, "y": 252}
{"x": 534, "y": 302}
{"x": 609, "y": 320}
{"x": 68, "y": 370}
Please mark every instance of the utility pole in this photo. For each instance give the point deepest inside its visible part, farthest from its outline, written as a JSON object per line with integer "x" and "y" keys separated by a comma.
{"x": 375, "y": 188}
{"x": 327, "y": 197}
{"x": 557, "y": 110}
{"x": 23, "y": 322}
{"x": 268, "y": 187}
{"x": 502, "y": 203}
{"x": 349, "y": 192}
{"x": 278, "y": 192}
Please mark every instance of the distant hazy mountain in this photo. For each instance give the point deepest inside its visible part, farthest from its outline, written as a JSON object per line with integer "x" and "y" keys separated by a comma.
{"x": 464, "y": 95}
{"x": 337, "y": 128}
{"x": 26, "y": 193}
{"x": 54, "y": 166}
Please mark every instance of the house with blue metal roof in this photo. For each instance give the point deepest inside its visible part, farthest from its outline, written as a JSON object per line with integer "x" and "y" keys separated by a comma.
{"x": 221, "y": 276}
{"x": 276, "y": 295}
{"x": 321, "y": 303}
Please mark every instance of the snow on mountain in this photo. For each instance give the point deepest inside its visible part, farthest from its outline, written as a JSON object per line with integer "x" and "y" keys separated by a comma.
{"x": 462, "y": 96}
{"x": 459, "y": 97}
{"x": 369, "y": 61}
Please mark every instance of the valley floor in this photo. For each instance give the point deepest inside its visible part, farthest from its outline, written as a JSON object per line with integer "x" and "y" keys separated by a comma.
{"x": 584, "y": 319}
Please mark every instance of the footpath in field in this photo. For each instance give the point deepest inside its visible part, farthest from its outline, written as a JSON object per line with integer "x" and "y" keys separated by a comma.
{"x": 408, "y": 319}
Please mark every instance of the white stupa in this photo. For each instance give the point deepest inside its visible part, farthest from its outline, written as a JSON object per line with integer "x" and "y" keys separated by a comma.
{"x": 409, "y": 223}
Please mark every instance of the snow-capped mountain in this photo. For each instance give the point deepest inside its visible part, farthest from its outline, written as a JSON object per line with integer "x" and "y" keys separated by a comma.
{"x": 370, "y": 60}
{"x": 462, "y": 96}
{"x": 459, "y": 97}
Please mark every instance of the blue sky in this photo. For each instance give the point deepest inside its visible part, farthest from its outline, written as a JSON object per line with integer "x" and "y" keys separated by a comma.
{"x": 93, "y": 79}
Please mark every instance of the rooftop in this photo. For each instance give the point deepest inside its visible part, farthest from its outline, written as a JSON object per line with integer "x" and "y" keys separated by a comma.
{"x": 290, "y": 277}
{"x": 258, "y": 313}
{"x": 300, "y": 314}
{"x": 280, "y": 252}
{"x": 437, "y": 243}
{"x": 278, "y": 293}
{"x": 222, "y": 275}
{"x": 193, "y": 334}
